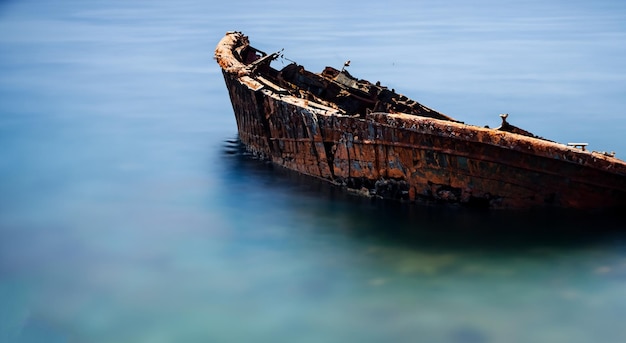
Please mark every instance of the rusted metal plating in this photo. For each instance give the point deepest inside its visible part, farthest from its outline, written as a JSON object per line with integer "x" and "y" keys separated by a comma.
{"x": 379, "y": 143}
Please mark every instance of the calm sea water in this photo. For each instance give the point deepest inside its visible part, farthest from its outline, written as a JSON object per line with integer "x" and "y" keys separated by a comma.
{"x": 129, "y": 214}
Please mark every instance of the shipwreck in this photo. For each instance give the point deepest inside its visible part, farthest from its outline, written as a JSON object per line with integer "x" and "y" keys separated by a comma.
{"x": 378, "y": 143}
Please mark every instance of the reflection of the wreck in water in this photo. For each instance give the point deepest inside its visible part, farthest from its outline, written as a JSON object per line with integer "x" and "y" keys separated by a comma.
{"x": 425, "y": 226}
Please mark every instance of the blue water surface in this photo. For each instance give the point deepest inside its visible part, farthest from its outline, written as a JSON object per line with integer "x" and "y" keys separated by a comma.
{"x": 128, "y": 212}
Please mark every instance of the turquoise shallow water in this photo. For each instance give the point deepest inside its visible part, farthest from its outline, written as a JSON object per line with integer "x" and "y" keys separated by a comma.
{"x": 128, "y": 213}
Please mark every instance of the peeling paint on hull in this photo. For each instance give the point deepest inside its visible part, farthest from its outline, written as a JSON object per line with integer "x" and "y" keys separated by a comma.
{"x": 332, "y": 126}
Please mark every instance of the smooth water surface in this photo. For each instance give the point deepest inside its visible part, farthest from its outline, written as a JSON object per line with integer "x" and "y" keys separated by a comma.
{"x": 128, "y": 212}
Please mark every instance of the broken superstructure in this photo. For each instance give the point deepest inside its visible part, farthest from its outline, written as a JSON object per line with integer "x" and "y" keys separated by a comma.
{"x": 377, "y": 142}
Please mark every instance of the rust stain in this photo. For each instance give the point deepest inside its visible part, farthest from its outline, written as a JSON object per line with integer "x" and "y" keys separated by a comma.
{"x": 380, "y": 143}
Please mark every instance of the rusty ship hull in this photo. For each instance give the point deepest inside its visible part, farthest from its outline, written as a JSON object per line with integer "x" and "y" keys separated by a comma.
{"x": 376, "y": 142}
